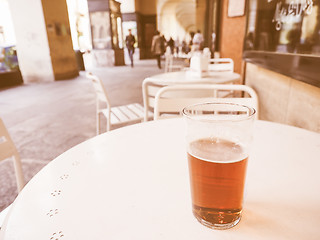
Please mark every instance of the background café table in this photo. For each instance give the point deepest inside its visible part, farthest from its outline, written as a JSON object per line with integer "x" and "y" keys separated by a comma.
{"x": 133, "y": 183}
{"x": 185, "y": 77}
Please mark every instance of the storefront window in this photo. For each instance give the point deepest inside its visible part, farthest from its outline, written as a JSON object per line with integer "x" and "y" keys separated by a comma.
{"x": 119, "y": 30}
{"x": 287, "y": 26}
{"x": 284, "y": 36}
{"x": 114, "y": 31}
{"x": 100, "y": 30}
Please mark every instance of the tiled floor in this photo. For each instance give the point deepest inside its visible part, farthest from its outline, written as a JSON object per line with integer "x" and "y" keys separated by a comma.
{"x": 46, "y": 119}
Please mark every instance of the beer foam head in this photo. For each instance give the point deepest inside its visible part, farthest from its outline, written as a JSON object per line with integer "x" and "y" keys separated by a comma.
{"x": 217, "y": 150}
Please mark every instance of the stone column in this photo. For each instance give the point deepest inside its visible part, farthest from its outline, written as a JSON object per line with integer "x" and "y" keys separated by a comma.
{"x": 104, "y": 21}
{"x": 63, "y": 57}
{"x": 200, "y": 15}
{"x": 44, "y": 46}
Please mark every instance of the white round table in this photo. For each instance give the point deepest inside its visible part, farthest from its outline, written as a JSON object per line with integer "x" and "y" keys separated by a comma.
{"x": 185, "y": 77}
{"x": 133, "y": 183}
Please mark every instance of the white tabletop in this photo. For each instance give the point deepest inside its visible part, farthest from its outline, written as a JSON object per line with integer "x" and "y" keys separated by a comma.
{"x": 132, "y": 183}
{"x": 185, "y": 77}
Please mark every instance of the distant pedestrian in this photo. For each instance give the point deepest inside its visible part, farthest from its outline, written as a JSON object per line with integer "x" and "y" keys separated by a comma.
{"x": 190, "y": 41}
{"x": 130, "y": 41}
{"x": 213, "y": 43}
{"x": 170, "y": 44}
{"x": 197, "y": 41}
{"x": 157, "y": 47}
{"x": 184, "y": 47}
{"x": 177, "y": 45}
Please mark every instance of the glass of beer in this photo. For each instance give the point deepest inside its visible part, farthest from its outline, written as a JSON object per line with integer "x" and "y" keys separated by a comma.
{"x": 219, "y": 136}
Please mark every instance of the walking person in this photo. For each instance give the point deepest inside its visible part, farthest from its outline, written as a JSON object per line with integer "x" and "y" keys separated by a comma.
{"x": 157, "y": 47}
{"x": 197, "y": 41}
{"x": 170, "y": 43}
{"x": 213, "y": 43}
{"x": 130, "y": 41}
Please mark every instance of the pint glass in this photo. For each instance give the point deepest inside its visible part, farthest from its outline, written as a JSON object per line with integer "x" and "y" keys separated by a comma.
{"x": 218, "y": 140}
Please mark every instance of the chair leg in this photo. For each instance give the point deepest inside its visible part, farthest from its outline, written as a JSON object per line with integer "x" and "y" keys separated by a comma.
{"x": 3, "y": 215}
{"x": 98, "y": 123}
{"x": 19, "y": 174}
{"x": 108, "y": 124}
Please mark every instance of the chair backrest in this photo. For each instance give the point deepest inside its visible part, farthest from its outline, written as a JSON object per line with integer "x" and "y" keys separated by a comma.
{"x": 206, "y": 52}
{"x": 221, "y": 65}
{"x": 8, "y": 150}
{"x": 168, "y": 60}
{"x": 168, "y": 63}
{"x": 149, "y": 91}
{"x": 101, "y": 92}
{"x": 170, "y": 100}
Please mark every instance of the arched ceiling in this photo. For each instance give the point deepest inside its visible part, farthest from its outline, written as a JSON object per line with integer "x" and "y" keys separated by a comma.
{"x": 181, "y": 13}
{"x": 186, "y": 13}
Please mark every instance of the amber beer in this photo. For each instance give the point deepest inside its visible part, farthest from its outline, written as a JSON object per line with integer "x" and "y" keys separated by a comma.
{"x": 217, "y": 176}
{"x": 218, "y": 137}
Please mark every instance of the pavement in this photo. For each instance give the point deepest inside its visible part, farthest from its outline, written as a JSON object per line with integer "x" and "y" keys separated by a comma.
{"x": 46, "y": 119}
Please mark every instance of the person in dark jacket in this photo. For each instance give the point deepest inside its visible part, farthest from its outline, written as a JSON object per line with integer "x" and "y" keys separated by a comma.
{"x": 170, "y": 43}
{"x": 157, "y": 47}
{"x": 130, "y": 41}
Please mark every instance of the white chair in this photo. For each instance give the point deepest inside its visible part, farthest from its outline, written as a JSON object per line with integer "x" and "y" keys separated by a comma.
{"x": 170, "y": 100}
{"x": 206, "y": 52}
{"x": 169, "y": 66}
{"x": 127, "y": 114}
{"x": 9, "y": 151}
{"x": 149, "y": 91}
{"x": 150, "y": 88}
{"x": 221, "y": 65}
